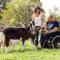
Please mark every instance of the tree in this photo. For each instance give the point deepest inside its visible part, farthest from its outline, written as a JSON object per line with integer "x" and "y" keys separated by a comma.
{"x": 55, "y": 12}
{"x": 17, "y": 11}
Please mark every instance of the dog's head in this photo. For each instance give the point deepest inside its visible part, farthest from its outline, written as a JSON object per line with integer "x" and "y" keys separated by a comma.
{"x": 30, "y": 28}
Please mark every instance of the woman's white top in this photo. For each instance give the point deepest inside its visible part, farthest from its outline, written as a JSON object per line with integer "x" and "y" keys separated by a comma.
{"x": 38, "y": 21}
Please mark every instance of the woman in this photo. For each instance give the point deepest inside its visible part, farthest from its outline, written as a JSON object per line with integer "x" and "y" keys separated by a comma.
{"x": 38, "y": 20}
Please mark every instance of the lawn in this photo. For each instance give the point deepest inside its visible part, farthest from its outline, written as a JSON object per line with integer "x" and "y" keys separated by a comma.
{"x": 30, "y": 53}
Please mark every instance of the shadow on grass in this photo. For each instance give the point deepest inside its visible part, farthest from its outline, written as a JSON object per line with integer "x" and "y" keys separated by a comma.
{"x": 31, "y": 50}
{"x": 21, "y": 51}
{"x": 25, "y": 50}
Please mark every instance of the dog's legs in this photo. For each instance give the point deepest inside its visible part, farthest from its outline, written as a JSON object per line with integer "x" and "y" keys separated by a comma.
{"x": 5, "y": 49}
{"x": 13, "y": 43}
{"x": 23, "y": 44}
{"x": 6, "y": 44}
{"x": 32, "y": 39}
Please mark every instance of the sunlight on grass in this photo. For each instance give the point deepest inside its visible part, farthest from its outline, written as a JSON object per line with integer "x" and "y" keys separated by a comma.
{"x": 30, "y": 53}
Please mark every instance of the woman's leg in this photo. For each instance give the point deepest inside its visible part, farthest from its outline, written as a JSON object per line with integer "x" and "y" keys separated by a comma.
{"x": 36, "y": 38}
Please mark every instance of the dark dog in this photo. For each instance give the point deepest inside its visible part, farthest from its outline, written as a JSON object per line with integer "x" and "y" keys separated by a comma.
{"x": 16, "y": 34}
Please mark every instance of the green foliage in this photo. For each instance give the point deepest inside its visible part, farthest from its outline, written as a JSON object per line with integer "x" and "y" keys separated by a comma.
{"x": 58, "y": 18}
{"x": 54, "y": 12}
{"x": 0, "y": 1}
{"x": 17, "y": 11}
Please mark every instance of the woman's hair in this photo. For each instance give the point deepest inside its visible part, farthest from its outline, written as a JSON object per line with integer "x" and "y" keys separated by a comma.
{"x": 36, "y": 9}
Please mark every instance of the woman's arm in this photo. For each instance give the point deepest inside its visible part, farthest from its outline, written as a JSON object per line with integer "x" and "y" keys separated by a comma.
{"x": 43, "y": 19}
{"x": 33, "y": 17}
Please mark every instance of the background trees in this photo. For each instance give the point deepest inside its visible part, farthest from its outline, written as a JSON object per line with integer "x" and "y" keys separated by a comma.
{"x": 55, "y": 12}
{"x": 17, "y": 11}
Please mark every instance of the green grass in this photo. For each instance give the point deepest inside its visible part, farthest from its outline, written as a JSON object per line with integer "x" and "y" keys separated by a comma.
{"x": 30, "y": 53}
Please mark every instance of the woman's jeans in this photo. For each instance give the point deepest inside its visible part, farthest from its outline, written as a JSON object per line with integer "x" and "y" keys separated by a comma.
{"x": 37, "y": 28}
